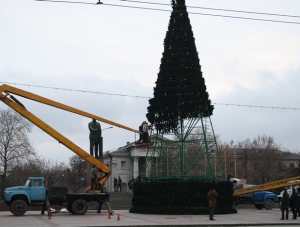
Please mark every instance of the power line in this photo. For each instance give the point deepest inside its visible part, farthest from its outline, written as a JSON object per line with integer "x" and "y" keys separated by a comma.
{"x": 86, "y": 3}
{"x": 83, "y": 91}
{"x": 268, "y": 107}
{"x": 217, "y": 9}
{"x": 145, "y": 97}
{"x": 164, "y": 10}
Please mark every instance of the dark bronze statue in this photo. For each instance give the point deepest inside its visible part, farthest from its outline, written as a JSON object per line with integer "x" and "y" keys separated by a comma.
{"x": 95, "y": 139}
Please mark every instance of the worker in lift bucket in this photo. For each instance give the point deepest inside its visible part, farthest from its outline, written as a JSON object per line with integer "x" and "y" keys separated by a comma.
{"x": 145, "y": 132}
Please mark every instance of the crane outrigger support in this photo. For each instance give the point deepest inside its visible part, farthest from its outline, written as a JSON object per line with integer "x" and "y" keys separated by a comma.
{"x": 16, "y": 105}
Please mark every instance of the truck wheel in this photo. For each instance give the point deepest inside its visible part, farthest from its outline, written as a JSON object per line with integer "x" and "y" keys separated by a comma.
{"x": 259, "y": 206}
{"x": 79, "y": 207}
{"x": 18, "y": 207}
{"x": 269, "y": 204}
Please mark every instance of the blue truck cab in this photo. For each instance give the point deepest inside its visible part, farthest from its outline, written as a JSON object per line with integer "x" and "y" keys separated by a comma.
{"x": 261, "y": 199}
{"x": 18, "y": 198}
{"x": 264, "y": 199}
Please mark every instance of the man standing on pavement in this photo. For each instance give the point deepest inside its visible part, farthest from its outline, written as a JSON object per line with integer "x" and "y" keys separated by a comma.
{"x": 119, "y": 183}
{"x": 131, "y": 186}
{"x": 298, "y": 202}
{"x": 212, "y": 202}
{"x": 293, "y": 203}
{"x": 284, "y": 206}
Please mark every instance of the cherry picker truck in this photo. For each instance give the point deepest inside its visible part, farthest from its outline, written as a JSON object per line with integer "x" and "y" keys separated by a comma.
{"x": 35, "y": 192}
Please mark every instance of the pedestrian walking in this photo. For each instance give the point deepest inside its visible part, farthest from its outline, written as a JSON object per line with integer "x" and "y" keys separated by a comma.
{"x": 284, "y": 206}
{"x": 212, "y": 202}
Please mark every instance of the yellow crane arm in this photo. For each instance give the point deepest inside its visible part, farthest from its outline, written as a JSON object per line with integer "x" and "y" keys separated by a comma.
{"x": 59, "y": 137}
{"x": 13, "y": 103}
{"x": 6, "y": 88}
{"x": 268, "y": 186}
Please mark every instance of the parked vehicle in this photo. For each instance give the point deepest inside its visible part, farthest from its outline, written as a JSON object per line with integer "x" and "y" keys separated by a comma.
{"x": 259, "y": 195}
{"x": 35, "y": 193}
{"x": 261, "y": 199}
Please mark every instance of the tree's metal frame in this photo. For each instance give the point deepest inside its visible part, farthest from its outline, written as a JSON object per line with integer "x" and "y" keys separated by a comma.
{"x": 190, "y": 152}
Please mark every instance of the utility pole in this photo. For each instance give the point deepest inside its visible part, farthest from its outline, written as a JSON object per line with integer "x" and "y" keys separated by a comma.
{"x": 234, "y": 164}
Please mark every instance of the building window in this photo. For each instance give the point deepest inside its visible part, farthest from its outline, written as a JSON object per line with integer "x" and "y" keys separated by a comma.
{"x": 123, "y": 164}
{"x": 292, "y": 165}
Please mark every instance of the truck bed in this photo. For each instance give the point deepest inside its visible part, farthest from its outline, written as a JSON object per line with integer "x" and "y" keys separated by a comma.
{"x": 104, "y": 197}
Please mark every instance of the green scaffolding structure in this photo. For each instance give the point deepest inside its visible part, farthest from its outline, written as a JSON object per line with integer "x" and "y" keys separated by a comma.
{"x": 189, "y": 152}
{"x": 185, "y": 145}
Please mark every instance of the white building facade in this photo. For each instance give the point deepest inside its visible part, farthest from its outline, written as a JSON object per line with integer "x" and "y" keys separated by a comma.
{"x": 126, "y": 162}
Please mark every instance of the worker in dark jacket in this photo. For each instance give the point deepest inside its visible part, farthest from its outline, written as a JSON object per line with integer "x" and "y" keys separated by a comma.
{"x": 293, "y": 203}
{"x": 141, "y": 133}
{"x": 284, "y": 206}
{"x": 93, "y": 175}
{"x": 298, "y": 202}
{"x": 212, "y": 202}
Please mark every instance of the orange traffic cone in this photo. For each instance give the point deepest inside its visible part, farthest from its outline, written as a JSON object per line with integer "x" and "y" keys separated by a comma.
{"x": 109, "y": 216}
{"x": 118, "y": 219}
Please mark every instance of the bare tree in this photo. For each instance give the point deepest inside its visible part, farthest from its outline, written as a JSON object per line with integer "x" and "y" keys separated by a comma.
{"x": 244, "y": 149}
{"x": 263, "y": 158}
{"x": 77, "y": 174}
{"x": 226, "y": 153}
{"x": 15, "y": 146}
{"x": 257, "y": 161}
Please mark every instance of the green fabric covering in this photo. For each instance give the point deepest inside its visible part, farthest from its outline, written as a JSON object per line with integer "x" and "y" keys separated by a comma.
{"x": 175, "y": 196}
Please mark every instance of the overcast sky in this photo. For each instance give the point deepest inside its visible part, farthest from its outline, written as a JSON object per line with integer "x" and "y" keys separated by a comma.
{"x": 112, "y": 49}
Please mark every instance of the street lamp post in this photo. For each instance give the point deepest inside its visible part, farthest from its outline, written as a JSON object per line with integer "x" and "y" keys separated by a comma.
{"x": 213, "y": 155}
{"x": 234, "y": 164}
{"x": 106, "y": 128}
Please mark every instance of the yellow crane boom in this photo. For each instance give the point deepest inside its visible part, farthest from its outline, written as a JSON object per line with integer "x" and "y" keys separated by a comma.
{"x": 12, "y": 102}
{"x": 268, "y": 186}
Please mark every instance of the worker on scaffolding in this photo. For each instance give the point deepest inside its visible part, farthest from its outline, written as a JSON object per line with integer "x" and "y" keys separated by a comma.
{"x": 145, "y": 132}
{"x": 141, "y": 133}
